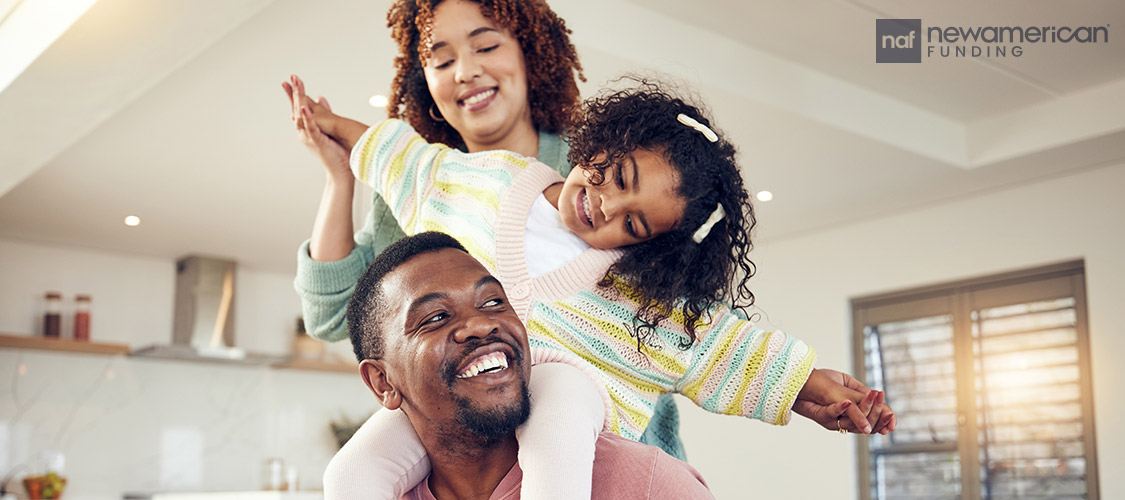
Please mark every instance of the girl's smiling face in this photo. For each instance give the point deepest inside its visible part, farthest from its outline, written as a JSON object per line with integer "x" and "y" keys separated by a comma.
{"x": 636, "y": 201}
{"x": 476, "y": 74}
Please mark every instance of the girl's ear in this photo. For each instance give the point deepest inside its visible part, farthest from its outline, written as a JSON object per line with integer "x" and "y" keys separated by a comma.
{"x": 374, "y": 374}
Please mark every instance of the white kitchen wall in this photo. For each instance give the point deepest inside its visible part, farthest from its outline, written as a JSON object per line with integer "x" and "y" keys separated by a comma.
{"x": 134, "y": 424}
{"x": 804, "y": 286}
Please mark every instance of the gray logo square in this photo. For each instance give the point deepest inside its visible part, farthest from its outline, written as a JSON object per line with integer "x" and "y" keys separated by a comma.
{"x": 898, "y": 40}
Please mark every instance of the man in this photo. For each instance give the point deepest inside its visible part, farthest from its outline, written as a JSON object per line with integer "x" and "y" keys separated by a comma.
{"x": 439, "y": 341}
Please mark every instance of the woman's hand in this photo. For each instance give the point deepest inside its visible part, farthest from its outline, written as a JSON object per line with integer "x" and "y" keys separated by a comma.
{"x": 311, "y": 118}
{"x": 837, "y": 400}
{"x": 332, "y": 230}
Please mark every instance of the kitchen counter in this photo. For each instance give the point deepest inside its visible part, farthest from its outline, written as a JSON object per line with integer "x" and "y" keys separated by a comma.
{"x": 238, "y": 495}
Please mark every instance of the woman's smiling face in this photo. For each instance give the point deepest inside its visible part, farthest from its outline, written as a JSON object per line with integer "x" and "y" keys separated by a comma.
{"x": 476, "y": 74}
{"x": 636, "y": 202}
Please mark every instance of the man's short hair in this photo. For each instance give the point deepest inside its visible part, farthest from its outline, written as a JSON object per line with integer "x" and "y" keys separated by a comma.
{"x": 365, "y": 308}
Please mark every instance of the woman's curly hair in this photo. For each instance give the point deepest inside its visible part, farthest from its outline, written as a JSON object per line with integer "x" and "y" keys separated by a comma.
{"x": 671, "y": 271}
{"x": 549, "y": 57}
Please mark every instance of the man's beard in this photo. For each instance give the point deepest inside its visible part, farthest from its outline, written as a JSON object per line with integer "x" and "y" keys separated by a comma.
{"x": 494, "y": 424}
{"x": 490, "y": 424}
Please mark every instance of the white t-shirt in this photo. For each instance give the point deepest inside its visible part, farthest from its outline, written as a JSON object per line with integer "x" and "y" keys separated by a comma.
{"x": 548, "y": 244}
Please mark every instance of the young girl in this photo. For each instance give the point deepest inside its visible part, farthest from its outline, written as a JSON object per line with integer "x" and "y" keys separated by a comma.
{"x": 621, "y": 271}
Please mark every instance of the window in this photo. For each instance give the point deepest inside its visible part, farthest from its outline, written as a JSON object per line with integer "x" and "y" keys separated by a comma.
{"x": 990, "y": 379}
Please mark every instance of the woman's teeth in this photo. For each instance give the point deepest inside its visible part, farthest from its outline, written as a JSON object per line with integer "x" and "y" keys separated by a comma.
{"x": 488, "y": 363}
{"x": 475, "y": 98}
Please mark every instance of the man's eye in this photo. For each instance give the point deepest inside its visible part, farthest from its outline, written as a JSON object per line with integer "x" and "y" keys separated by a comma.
{"x": 493, "y": 303}
{"x": 437, "y": 318}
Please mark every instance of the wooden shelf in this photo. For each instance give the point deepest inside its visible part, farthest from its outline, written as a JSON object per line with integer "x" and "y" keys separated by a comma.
{"x": 319, "y": 366}
{"x": 9, "y": 341}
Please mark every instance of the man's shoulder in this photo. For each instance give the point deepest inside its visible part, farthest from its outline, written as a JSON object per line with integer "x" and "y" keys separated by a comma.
{"x": 627, "y": 469}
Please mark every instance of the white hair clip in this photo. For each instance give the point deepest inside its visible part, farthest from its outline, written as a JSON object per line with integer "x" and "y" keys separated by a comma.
{"x": 703, "y": 129}
{"x": 716, "y": 216}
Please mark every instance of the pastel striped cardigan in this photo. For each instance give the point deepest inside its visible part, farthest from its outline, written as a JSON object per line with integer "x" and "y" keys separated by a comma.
{"x": 483, "y": 199}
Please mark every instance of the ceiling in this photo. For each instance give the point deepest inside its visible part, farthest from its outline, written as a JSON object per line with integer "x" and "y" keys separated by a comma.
{"x": 173, "y": 111}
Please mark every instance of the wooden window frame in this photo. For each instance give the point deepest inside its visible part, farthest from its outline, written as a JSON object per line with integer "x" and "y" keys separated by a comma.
{"x": 957, "y": 298}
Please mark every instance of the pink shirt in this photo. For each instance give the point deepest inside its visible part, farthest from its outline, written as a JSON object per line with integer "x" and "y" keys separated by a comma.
{"x": 623, "y": 469}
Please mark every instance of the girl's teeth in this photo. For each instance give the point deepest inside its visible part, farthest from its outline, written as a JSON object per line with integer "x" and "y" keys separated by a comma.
{"x": 586, "y": 206}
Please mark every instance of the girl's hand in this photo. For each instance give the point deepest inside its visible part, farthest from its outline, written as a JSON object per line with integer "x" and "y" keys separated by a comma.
{"x": 834, "y": 399}
{"x": 311, "y": 117}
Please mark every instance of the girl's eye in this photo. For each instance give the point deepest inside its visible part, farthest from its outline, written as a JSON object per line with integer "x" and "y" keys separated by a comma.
{"x": 620, "y": 176}
{"x": 444, "y": 65}
{"x": 488, "y": 49}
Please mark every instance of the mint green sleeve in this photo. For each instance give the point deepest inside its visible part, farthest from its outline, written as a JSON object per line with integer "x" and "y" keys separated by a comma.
{"x": 326, "y": 287}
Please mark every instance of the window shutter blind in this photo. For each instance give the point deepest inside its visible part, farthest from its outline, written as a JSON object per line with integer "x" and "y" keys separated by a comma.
{"x": 990, "y": 382}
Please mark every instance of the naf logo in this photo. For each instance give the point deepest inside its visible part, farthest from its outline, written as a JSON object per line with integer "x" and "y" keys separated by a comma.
{"x": 898, "y": 40}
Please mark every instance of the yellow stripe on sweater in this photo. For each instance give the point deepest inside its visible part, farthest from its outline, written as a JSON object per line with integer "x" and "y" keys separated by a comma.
{"x": 794, "y": 386}
{"x": 484, "y": 197}
{"x": 753, "y": 366}
{"x": 692, "y": 390}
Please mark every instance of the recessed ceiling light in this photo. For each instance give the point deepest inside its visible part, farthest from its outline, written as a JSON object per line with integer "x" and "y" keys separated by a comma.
{"x": 379, "y": 101}
{"x": 764, "y": 196}
{"x": 132, "y": 221}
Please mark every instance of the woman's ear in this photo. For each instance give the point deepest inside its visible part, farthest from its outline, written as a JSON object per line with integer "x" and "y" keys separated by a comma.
{"x": 374, "y": 374}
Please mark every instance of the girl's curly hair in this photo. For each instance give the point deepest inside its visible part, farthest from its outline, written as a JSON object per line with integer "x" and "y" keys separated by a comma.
{"x": 671, "y": 271}
{"x": 549, "y": 57}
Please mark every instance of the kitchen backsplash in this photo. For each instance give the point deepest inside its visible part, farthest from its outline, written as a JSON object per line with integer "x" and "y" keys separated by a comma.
{"x": 128, "y": 424}
{"x": 134, "y": 424}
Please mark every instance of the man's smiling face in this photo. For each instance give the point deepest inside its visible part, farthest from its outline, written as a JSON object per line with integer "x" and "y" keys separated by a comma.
{"x": 455, "y": 351}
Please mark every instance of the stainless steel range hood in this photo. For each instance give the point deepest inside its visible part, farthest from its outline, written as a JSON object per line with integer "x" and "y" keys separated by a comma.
{"x": 203, "y": 324}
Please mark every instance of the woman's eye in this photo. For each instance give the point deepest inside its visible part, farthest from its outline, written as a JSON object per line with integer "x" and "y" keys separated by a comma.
{"x": 444, "y": 65}
{"x": 629, "y": 226}
{"x": 489, "y": 49}
{"x": 620, "y": 177}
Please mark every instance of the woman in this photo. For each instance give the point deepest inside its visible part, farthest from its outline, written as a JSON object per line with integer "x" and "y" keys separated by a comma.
{"x": 499, "y": 74}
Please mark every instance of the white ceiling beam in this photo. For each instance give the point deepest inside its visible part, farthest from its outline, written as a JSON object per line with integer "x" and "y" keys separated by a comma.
{"x": 632, "y": 32}
{"x": 1081, "y": 116}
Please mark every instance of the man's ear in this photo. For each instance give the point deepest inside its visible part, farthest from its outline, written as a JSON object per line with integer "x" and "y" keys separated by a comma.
{"x": 374, "y": 374}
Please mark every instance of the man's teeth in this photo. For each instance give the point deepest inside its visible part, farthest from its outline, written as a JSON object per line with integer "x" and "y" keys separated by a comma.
{"x": 488, "y": 363}
{"x": 475, "y": 98}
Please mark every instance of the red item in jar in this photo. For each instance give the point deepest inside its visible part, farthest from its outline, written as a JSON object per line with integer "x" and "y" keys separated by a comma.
{"x": 82, "y": 318}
